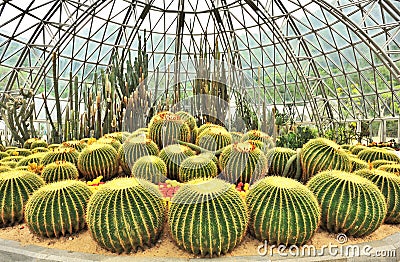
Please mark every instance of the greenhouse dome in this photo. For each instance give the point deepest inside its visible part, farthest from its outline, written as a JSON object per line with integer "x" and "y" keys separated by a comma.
{"x": 199, "y": 128}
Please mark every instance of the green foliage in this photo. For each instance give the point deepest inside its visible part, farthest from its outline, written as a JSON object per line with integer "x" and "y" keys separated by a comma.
{"x": 389, "y": 185}
{"x": 291, "y": 206}
{"x": 342, "y": 134}
{"x": 277, "y": 159}
{"x": 321, "y": 154}
{"x": 58, "y": 171}
{"x": 196, "y": 167}
{"x": 208, "y": 217}
{"x": 297, "y": 138}
{"x": 151, "y": 168}
{"x": 134, "y": 216}
{"x": 173, "y": 156}
{"x": 60, "y": 154}
{"x": 350, "y": 204}
{"x": 98, "y": 160}
{"x": 166, "y": 128}
{"x": 133, "y": 148}
{"x": 15, "y": 188}
{"x": 243, "y": 162}
{"x": 374, "y": 153}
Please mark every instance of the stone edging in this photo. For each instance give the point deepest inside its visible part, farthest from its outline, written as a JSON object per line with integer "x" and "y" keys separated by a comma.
{"x": 14, "y": 251}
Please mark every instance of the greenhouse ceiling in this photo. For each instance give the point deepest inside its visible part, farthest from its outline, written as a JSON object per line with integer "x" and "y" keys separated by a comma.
{"x": 325, "y": 59}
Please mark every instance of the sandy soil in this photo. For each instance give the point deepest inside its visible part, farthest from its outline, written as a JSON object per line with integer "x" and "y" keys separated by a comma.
{"x": 165, "y": 247}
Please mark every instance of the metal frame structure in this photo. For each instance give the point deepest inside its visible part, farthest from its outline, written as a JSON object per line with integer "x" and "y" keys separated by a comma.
{"x": 324, "y": 59}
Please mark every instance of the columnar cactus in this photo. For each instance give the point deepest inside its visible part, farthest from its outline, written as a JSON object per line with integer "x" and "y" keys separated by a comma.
{"x": 79, "y": 145}
{"x": 322, "y": 154}
{"x": 98, "y": 160}
{"x": 34, "y": 158}
{"x": 15, "y": 189}
{"x": 195, "y": 167}
{"x": 277, "y": 159}
{"x": 38, "y": 143}
{"x": 166, "y": 128}
{"x": 151, "y": 168}
{"x": 393, "y": 168}
{"x": 372, "y": 154}
{"x": 207, "y": 218}
{"x": 350, "y": 204}
{"x": 173, "y": 156}
{"x": 389, "y": 185}
{"x": 357, "y": 164}
{"x": 126, "y": 214}
{"x": 58, "y": 209}
{"x": 291, "y": 206}
{"x": 133, "y": 148}
{"x": 60, "y": 154}
{"x": 58, "y": 171}
{"x": 213, "y": 139}
{"x": 243, "y": 162}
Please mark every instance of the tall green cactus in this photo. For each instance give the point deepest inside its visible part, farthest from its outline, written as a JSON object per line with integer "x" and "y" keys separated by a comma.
{"x": 373, "y": 154}
{"x": 173, "y": 157}
{"x": 322, "y": 154}
{"x": 243, "y": 162}
{"x": 134, "y": 148}
{"x": 389, "y": 185}
{"x": 207, "y": 218}
{"x": 291, "y": 206}
{"x": 126, "y": 214}
{"x": 58, "y": 171}
{"x": 58, "y": 209}
{"x": 166, "y": 128}
{"x": 15, "y": 188}
{"x": 98, "y": 160}
{"x": 151, "y": 168}
{"x": 197, "y": 167}
{"x": 350, "y": 204}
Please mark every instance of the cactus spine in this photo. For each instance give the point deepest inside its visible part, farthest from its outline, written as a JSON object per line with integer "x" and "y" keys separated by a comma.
{"x": 58, "y": 171}
{"x": 58, "y": 209}
{"x": 350, "y": 204}
{"x": 126, "y": 214}
{"x": 389, "y": 185}
{"x": 322, "y": 154}
{"x": 291, "y": 206}
{"x": 98, "y": 160}
{"x": 207, "y": 217}
{"x": 15, "y": 189}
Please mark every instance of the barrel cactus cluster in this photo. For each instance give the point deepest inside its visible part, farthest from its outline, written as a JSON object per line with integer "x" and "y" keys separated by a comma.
{"x": 173, "y": 156}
